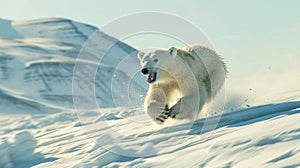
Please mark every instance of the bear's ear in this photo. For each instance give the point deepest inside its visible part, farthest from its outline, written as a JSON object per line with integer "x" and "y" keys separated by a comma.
{"x": 141, "y": 55}
{"x": 173, "y": 51}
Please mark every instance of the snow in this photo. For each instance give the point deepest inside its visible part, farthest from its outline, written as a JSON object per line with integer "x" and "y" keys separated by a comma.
{"x": 40, "y": 128}
{"x": 20, "y": 151}
{"x": 7, "y": 30}
{"x": 260, "y": 136}
{"x": 40, "y": 65}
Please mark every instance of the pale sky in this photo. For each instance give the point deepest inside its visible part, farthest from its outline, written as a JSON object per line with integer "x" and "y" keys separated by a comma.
{"x": 253, "y": 36}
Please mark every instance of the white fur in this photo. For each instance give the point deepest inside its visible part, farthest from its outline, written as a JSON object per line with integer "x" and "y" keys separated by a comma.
{"x": 191, "y": 76}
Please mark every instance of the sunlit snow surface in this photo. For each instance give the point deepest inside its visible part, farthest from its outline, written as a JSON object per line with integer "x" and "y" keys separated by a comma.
{"x": 39, "y": 128}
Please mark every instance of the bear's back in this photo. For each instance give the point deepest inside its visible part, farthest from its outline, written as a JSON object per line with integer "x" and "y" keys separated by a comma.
{"x": 206, "y": 63}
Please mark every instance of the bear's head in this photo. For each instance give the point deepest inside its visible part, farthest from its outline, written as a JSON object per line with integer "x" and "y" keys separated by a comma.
{"x": 157, "y": 64}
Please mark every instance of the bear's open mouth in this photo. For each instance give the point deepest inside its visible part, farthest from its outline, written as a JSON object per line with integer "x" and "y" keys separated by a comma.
{"x": 151, "y": 77}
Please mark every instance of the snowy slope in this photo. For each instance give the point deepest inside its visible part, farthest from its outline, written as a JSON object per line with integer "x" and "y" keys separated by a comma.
{"x": 40, "y": 128}
{"x": 264, "y": 136}
{"x": 38, "y": 58}
{"x": 7, "y": 30}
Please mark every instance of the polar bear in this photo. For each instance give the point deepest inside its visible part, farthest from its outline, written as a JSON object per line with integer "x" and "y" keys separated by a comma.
{"x": 181, "y": 81}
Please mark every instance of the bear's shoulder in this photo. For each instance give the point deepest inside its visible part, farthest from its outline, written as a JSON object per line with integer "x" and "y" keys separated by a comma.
{"x": 200, "y": 52}
{"x": 190, "y": 52}
{"x": 193, "y": 49}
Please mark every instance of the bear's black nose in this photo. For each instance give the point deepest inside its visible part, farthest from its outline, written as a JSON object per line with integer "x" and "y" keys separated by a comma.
{"x": 145, "y": 71}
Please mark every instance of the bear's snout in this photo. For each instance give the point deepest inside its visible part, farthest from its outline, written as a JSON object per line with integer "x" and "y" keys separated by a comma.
{"x": 145, "y": 71}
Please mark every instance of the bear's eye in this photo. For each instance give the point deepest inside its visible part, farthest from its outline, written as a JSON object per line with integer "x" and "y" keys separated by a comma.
{"x": 155, "y": 60}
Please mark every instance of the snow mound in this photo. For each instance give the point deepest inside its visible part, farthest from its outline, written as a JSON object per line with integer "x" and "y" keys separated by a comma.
{"x": 20, "y": 150}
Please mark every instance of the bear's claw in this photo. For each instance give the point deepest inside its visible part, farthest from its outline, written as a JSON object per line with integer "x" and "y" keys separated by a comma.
{"x": 160, "y": 120}
{"x": 166, "y": 113}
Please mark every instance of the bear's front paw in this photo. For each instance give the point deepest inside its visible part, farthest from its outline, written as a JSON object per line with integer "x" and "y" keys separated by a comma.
{"x": 173, "y": 111}
{"x": 168, "y": 112}
{"x": 161, "y": 118}
{"x": 164, "y": 115}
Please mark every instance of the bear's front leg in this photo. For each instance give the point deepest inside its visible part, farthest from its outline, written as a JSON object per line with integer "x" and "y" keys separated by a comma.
{"x": 155, "y": 104}
{"x": 187, "y": 107}
{"x": 158, "y": 112}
